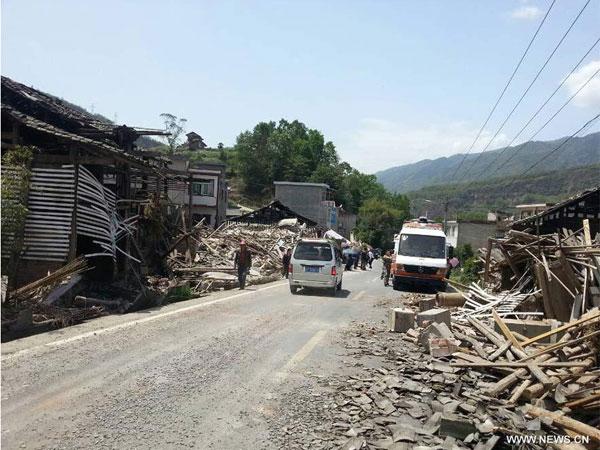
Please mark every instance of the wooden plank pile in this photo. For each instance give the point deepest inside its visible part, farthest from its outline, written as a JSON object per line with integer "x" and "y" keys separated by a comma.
{"x": 555, "y": 275}
{"x": 558, "y": 381}
{"x": 212, "y": 267}
{"x": 31, "y": 307}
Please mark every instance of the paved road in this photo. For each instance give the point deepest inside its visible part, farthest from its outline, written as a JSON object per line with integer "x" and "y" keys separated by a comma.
{"x": 214, "y": 372}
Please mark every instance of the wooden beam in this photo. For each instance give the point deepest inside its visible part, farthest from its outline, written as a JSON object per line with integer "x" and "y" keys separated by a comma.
{"x": 519, "y": 364}
{"x": 506, "y": 331}
{"x": 567, "y": 326}
{"x": 566, "y": 422}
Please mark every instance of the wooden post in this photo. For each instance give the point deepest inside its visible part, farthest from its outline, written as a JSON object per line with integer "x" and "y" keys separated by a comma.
{"x": 488, "y": 257}
{"x": 73, "y": 237}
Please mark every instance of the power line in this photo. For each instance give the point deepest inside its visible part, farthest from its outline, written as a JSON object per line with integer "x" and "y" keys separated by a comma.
{"x": 550, "y": 153}
{"x": 542, "y": 127}
{"x": 499, "y": 155}
{"x": 505, "y": 88}
{"x": 529, "y": 87}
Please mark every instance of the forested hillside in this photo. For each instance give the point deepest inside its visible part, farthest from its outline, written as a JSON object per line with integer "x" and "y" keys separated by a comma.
{"x": 503, "y": 193}
{"x": 578, "y": 152}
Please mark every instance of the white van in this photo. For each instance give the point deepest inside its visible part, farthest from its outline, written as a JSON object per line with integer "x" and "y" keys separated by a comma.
{"x": 316, "y": 263}
{"x": 420, "y": 255}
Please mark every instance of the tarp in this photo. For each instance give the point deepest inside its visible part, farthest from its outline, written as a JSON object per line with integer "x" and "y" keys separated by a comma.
{"x": 330, "y": 234}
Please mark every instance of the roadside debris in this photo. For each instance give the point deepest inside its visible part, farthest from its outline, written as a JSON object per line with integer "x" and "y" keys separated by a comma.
{"x": 516, "y": 356}
{"x": 212, "y": 266}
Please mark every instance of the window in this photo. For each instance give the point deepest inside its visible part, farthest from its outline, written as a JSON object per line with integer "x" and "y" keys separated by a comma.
{"x": 205, "y": 188}
{"x": 422, "y": 246}
{"x": 313, "y": 251}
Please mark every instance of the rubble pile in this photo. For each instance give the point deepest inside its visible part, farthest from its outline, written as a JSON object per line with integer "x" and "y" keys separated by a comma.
{"x": 212, "y": 266}
{"x": 446, "y": 385}
{"x": 36, "y": 305}
{"x": 556, "y": 276}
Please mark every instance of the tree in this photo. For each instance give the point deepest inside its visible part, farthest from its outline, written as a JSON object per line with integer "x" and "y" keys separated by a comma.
{"x": 220, "y": 146}
{"x": 175, "y": 127}
{"x": 379, "y": 219}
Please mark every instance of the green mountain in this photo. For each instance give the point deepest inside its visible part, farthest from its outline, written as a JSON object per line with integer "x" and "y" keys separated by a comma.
{"x": 578, "y": 152}
{"x": 474, "y": 200}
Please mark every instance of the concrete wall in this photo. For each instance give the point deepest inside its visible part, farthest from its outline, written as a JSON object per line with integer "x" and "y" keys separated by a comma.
{"x": 346, "y": 223}
{"x": 305, "y": 200}
{"x": 476, "y": 234}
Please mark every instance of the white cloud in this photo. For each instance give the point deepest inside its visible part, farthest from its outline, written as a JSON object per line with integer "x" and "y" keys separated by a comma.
{"x": 379, "y": 144}
{"x": 526, "y": 12}
{"x": 589, "y": 95}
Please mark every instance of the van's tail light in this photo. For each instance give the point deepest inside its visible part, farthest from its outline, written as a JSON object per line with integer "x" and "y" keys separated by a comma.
{"x": 333, "y": 271}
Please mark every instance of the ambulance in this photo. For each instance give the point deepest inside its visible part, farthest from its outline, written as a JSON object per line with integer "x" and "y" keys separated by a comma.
{"x": 420, "y": 255}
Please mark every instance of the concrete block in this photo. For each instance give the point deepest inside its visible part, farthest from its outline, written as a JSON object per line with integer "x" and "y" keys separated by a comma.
{"x": 442, "y": 347}
{"x": 529, "y": 328}
{"x": 401, "y": 320}
{"x": 455, "y": 426}
{"x": 437, "y": 315}
{"x": 427, "y": 304}
{"x": 435, "y": 330}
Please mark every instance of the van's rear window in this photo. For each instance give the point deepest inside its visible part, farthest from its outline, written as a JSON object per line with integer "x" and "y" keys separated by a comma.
{"x": 313, "y": 251}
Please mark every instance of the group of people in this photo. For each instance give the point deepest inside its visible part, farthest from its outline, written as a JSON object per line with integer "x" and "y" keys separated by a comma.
{"x": 353, "y": 256}
{"x": 356, "y": 256}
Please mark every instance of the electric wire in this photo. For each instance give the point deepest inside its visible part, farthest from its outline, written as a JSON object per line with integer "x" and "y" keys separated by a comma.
{"x": 501, "y": 153}
{"x": 562, "y": 39}
{"x": 505, "y": 88}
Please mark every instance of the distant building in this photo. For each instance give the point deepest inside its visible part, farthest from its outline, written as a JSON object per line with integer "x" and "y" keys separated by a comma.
{"x": 195, "y": 141}
{"x": 472, "y": 232}
{"x": 272, "y": 214}
{"x": 315, "y": 201}
{"x": 528, "y": 210}
{"x": 568, "y": 214}
{"x": 202, "y": 187}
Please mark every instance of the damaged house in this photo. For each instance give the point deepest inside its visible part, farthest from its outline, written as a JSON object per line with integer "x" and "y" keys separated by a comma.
{"x": 89, "y": 188}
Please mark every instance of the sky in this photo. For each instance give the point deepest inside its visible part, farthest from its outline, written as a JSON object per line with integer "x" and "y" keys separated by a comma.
{"x": 388, "y": 82}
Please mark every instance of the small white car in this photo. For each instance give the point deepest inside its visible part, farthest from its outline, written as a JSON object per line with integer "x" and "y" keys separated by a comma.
{"x": 316, "y": 263}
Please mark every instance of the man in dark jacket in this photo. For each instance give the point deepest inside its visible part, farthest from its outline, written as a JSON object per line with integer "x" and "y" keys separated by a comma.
{"x": 242, "y": 261}
{"x": 285, "y": 261}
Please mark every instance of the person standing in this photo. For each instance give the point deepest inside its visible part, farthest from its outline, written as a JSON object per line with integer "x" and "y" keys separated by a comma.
{"x": 370, "y": 257}
{"x": 355, "y": 256}
{"x": 285, "y": 260}
{"x": 242, "y": 261}
{"x": 363, "y": 259}
{"x": 387, "y": 267}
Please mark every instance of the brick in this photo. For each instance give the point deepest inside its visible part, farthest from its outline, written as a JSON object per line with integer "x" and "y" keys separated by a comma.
{"x": 401, "y": 320}
{"x": 437, "y": 315}
{"x": 427, "y": 304}
{"x": 442, "y": 347}
{"x": 435, "y": 330}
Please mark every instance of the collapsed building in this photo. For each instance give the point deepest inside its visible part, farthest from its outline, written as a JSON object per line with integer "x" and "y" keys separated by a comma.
{"x": 88, "y": 186}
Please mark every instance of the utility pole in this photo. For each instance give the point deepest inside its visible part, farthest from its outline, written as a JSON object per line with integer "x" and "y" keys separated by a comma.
{"x": 445, "y": 214}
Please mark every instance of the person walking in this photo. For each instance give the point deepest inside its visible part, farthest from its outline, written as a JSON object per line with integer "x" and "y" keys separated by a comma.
{"x": 387, "y": 267}
{"x": 285, "y": 260}
{"x": 363, "y": 259}
{"x": 370, "y": 257}
{"x": 355, "y": 256}
{"x": 242, "y": 261}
